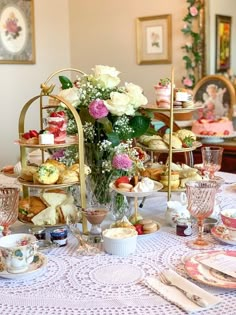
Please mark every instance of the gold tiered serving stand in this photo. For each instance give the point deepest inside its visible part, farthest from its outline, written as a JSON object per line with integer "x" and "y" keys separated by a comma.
{"x": 46, "y": 93}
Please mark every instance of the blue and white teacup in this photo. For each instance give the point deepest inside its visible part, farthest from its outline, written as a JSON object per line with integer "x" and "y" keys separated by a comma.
{"x": 18, "y": 251}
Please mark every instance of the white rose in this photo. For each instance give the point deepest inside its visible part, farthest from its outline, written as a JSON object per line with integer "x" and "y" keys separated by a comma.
{"x": 135, "y": 93}
{"x": 107, "y": 76}
{"x": 70, "y": 95}
{"x": 119, "y": 104}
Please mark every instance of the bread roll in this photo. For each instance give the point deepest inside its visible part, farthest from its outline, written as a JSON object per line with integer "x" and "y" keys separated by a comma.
{"x": 28, "y": 172}
{"x": 46, "y": 174}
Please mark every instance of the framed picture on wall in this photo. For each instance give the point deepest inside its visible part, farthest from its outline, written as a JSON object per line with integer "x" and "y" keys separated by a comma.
{"x": 154, "y": 39}
{"x": 17, "y": 32}
{"x": 223, "y": 42}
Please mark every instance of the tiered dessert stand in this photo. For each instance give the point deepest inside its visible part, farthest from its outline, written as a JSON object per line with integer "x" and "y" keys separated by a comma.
{"x": 42, "y": 101}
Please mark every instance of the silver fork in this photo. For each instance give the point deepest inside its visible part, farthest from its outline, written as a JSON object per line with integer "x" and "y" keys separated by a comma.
{"x": 192, "y": 297}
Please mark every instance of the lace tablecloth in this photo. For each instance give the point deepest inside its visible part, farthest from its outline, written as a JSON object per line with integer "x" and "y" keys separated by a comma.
{"x": 111, "y": 285}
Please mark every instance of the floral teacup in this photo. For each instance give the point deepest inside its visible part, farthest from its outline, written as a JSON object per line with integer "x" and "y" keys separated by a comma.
{"x": 18, "y": 251}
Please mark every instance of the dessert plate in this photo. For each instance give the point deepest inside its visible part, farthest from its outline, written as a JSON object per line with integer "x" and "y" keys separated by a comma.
{"x": 221, "y": 234}
{"x": 157, "y": 186}
{"x": 196, "y": 144}
{"x": 207, "y": 275}
{"x": 35, "y": 268}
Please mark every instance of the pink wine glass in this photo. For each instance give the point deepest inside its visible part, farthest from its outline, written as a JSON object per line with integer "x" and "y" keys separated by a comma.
{"x": 211, "y": 159}
{"x": 9, "y": 199}
{"x": 201, "y": 200}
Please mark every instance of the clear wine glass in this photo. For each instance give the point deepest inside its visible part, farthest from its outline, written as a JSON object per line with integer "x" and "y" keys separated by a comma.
{"x": 95, "y": 216}
{"x": 9, "y": 199}
{"x": 211, "y": 159}
{"x": 201, "y": 200}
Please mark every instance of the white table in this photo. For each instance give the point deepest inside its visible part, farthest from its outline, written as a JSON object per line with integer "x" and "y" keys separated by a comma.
{"x": 110, "y": 285}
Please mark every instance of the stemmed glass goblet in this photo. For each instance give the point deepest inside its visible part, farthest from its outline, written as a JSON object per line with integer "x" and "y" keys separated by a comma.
{"x": 95, "y": 216}
{"x": 201, "y": 200}
{"x": 9, "y": 199}
{"x": 211, "y": 158}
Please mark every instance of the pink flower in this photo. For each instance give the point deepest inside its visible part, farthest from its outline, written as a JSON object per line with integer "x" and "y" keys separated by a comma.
{"x": 193, "y": 11}
{"x": 188, "y": 82}
{"x": 122, "y": 162}
{"x": 97, "y": 109}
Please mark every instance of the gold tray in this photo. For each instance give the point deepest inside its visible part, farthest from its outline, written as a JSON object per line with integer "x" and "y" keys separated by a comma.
{"x": 154, "y": 108}
{"x": 44, "y": 186}
{"x": 69, "y": 141}
{"x": 196, "y": 145}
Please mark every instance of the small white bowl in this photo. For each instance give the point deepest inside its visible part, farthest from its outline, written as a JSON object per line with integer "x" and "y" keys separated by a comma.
{"x": 120, "y": 241}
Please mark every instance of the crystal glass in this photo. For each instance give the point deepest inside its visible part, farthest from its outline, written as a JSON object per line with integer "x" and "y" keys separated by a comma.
{"x": 211, "y": 159}
{"x": 9, "y": 199}
{"x": 201, "y": 199}
{"x": 95, "y": 216}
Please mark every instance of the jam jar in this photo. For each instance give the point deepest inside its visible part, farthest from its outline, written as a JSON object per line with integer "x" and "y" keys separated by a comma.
{"x": 39, "y": 232}
{"x": 184, "y": 227}
{"x": 59, "y": 236}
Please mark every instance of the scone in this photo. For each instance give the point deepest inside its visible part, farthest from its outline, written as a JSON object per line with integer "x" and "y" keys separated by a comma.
{"x": 156, "y": 144}
{"x": 183, "y": 133}
{"x": 46, "y": 174}
{"x": 75, "y": 167}
{"x": 28, "y": 172}
{"x": 68, "y": 176}
{"x": 176, "y": 142}
{"x": 61, "y": 166}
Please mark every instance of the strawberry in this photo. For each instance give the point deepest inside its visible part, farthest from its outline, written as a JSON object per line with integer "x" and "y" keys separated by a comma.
{"x": 188, "y": 142}
{"x": 26, "y": 135}
{"x": 139, "y": 228}
{"x": 33, "y": 133}
{"x": 57, "y": 114}
{"x": 122, "y": 179}
{"x": 226, "y": 132}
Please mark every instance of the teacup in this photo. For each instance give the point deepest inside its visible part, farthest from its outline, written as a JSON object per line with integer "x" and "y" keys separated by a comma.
{"x": 18, "y": 251}
{"x": 228, "y": 217}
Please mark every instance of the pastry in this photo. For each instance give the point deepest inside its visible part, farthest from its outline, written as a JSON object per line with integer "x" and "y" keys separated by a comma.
{"x": 28, "y": 172}
{"x": 68, "y": 176}
{"x": 46, "y": 174}
{"x": 75, "y": 167}
{"x": 150, "y": 227}
{"x": 183, "y": 133}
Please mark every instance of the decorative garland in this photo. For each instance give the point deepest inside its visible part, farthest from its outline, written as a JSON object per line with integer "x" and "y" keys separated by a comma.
{"x": 192, "y": 48}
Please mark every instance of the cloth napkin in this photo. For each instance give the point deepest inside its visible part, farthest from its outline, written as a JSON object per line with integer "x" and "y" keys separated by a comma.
{"x": 175, "y": 296}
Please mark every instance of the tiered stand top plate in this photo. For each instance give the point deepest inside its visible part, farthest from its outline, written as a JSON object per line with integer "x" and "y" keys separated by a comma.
{"x": 196, "y": 145}
{"x": 183, "y": 110}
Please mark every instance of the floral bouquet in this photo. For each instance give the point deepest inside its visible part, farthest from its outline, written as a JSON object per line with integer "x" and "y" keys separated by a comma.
{"x": 111, "y": 121}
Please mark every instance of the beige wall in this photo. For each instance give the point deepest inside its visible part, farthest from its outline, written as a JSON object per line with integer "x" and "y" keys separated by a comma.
{"x": 103, "y": 32}
{"x": 19, "y": 83}
{"x": 81, "y": 34}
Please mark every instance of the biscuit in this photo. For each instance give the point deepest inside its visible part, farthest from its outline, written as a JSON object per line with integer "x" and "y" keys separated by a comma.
{"x": 145, "y": 221}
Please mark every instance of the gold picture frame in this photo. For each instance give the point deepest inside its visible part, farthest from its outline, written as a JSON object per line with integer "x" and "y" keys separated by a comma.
{"x": 154, "y": 39}
{"x": 216, "y": 94}
{"x": 17, "y": 44}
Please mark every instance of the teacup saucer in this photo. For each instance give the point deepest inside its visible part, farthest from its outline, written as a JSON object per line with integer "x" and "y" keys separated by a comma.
{"x": 36, "y": 267}
{"x": 221, "y": 234}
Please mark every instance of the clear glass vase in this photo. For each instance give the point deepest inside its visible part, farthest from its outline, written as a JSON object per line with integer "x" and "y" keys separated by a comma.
{"x": 120, "y": 206}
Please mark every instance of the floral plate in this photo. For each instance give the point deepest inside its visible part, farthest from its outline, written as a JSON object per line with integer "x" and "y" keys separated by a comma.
{"x": 35, "y": 268}
{"x": 206, "y": 275}
{"x": 157, "y": 186}
{"x": 220, "y": 232}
